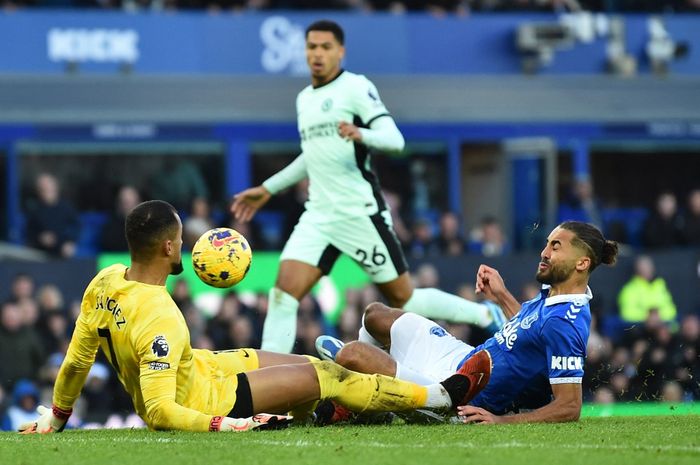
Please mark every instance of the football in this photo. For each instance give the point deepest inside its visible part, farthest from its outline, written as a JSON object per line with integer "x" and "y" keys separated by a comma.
{"x": 221, "y": 257}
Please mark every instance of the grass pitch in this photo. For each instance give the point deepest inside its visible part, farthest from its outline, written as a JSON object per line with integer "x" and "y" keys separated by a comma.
{"x": 599, "y": 441}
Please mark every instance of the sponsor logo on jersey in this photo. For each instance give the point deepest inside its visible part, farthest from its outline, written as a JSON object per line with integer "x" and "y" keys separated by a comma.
{"x": 160, "y": 346}
{"x": 566, "y": 363}
{"x": 438, "y": 331}
{"x": 508, "y": 334}
{"x": 158, "y": 366}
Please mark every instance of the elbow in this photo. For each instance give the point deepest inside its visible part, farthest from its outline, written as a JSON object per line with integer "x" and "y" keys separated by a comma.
{"x": 399, "y": 145}
{"x": 156, "y": 418}
{"x": 572, "y": 412}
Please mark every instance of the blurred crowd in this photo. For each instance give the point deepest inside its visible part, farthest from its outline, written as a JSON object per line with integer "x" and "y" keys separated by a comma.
{"x": 436, "y": 7}
{"x": 53, "y": 224}
{"x": 652, "y": 355}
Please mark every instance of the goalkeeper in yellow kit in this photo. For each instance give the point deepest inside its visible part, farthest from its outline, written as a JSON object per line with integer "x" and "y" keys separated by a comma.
{"x": 128, "y": 312}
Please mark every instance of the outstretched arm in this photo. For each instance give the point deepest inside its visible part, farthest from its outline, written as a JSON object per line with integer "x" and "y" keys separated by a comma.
{"x": 490, "y": 283}
{"x": 566, "y": 406}
{"x": 69, "y": 381}
{"x": 246, "y": 203}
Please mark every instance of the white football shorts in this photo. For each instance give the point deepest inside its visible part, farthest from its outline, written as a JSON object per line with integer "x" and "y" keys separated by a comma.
{"x": 369, "y": 240}
{"x": 426, "y": 347}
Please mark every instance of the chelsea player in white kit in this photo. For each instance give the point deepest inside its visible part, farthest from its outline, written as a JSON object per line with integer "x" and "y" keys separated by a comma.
{"x": 540, "y": 352}
{"x": 340, "y": 118}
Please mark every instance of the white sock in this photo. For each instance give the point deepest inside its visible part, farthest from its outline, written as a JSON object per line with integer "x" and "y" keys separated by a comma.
{"x": 408, "y": 374}
{"x": 439, "y": 305}
{"x": 437, "y": 397}
{"x": 280, "y": 328}
{"x": 366, "y": 337}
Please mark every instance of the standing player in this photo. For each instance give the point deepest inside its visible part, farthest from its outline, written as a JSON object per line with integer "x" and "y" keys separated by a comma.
{"x": 130, "y": 315}
{"x": 340, "y": 118}
{"x": 543, "y": 345}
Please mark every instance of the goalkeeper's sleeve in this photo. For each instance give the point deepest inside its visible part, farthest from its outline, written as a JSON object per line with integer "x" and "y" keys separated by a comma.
{"x": 76, "y": 365}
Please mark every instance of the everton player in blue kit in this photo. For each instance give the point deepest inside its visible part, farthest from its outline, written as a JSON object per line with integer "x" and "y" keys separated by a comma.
{"x": 544, "y": 343}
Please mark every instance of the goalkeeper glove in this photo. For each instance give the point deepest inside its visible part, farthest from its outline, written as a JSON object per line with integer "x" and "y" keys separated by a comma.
{"x": 51, "y": 420}
{"x": 259, "y": 422}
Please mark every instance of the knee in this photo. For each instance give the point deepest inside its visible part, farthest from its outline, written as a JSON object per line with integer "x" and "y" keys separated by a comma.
{"x": 350, "y": 356}
{"x": 375, "y": 310}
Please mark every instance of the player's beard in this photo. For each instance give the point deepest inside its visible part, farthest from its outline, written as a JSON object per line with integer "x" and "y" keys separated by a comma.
{"x": 176, "y": 268}
{"x": 555, "y": 274}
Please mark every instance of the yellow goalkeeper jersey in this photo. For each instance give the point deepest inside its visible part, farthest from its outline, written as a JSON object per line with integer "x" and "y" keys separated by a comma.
{"x": 144, "y": 336}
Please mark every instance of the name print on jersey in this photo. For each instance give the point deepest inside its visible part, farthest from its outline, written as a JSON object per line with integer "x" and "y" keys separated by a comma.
{"x": 111, "y": 305}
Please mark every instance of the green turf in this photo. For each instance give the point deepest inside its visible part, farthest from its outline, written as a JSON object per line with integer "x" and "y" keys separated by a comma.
{"x": 599, "y": 441}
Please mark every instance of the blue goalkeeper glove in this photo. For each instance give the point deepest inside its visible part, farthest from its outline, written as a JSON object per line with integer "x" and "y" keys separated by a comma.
{"x": 51, "y": 420}
{"x": 260, "y": 421}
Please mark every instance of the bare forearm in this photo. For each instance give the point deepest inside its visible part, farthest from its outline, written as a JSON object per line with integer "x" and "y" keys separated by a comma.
{"x": 508, "y": 303}
{"x": 550, "y": 413}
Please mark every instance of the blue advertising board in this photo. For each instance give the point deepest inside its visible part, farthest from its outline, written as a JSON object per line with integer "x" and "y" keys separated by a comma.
{"x": 56, "y": 42}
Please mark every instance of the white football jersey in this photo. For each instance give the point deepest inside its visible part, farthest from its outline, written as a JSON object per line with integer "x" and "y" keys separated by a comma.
{"x": 341, "y": 182}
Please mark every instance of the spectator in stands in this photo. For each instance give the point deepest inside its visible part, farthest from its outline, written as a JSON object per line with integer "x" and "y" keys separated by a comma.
{"x": 664, "y": 227}
{"x": 393, "y": 201}
{"x": 691, "y": 225}
{"x": 53, "y": 325}
{"x": 488, "y": 239}
{"x": 219, "y": 327}
{"x": 197, "y": 223}
{"x": 179, "y": 183}
{"x": 645, "y": 291}
{"x": 310, "y": 325}
{"x": 423, "y": 242}
{"x": 426, "y": 276}
{"x": 392, "y": 6}
{"x": 52, "y": 223}
{"x": 441, "y": 8}
{"x": 450, "y": 240}
{"x": 653, "y": 368}
{"x": 582, "y": 204}
{"x": 22, "y": 287}
{"x": 21, "y": 352}
{"x": 685, "y": 356}
{"x": 112, "y": 238}
{"x": 293, "y": 206}
{"x": 25, "y": 399}
{"x": 603, "y": 395}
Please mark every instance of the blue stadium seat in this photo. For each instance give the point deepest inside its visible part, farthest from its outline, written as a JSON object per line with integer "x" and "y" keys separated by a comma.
{"x": 632, "y": 218}
{"x": 270, "y": 223}
{"x": 91, "y": 224}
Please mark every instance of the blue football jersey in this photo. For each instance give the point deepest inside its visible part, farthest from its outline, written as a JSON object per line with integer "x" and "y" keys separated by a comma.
{"x": 545, "y": 343}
